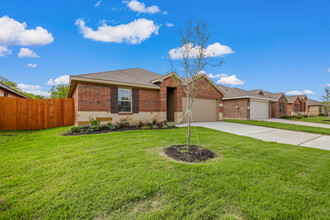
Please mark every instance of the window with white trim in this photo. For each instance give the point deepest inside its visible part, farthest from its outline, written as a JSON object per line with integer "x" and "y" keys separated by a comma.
{"x": 124, "y": 100}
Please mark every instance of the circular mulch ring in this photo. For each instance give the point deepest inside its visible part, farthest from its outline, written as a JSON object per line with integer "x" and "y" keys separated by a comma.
{"x": 193, "y": 154}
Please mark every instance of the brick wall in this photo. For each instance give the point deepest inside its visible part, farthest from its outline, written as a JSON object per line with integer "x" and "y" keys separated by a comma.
{"x": 170, "y": 82}
{"x": 93, "y": 97}
{"x": 291, "y": 107}
{"x": 149, "y": 100}
{"x": 275, "y": 108}
{"x": 229, "y": 109}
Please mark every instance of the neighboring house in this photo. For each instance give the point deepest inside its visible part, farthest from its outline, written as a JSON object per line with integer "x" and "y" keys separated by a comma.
{"x": 296, "y": 105}
{"x": 242, "y": 104}
{"x": 314, "y": 107}
{"x": 139, "y": 95}
{"x": 279, "y": 105}
{"x": 6, "y": 91}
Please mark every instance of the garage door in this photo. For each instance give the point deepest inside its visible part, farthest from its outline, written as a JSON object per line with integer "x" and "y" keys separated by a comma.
{"x": 258, "y": 109}
{"x": 203, "y": 109}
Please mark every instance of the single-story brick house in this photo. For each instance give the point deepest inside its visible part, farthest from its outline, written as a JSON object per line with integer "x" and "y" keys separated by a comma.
{"x": 296, "y": 105}
{"x": 6, "y": 91}
{"x": 314, "y": 107}
{"x": 278, "y": 104}
{"x": 242, "y": 104}
{"x": 140, "y": 95}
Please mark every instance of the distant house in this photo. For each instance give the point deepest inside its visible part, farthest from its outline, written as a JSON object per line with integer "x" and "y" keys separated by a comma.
{"x": 139, "y": 95}
{"x": 278, "y": 104}
{"x": 296, "y": 105}
{"x": 242, "y": 104}
{"x": 6, "y": 91}
{"x": 314, "y": 107}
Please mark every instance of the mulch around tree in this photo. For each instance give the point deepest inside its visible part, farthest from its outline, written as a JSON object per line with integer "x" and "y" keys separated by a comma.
{"x": 193, "y": 154}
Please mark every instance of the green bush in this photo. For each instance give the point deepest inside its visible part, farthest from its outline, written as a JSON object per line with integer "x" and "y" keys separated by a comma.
{"x": 165, "y": 122}
{"x": 165, "y": 126}
{"x": 154, "y": 121}
{"x": 124, "y": 123}
{"x": 110, "y": 126}
{"x": 76, "y": 129}
{"x": 322, "y": 114}
{"x": 155, "y": 127}
{"x": 93, "y": 128}
{"x": 145, "y": 128}
{"x": 172, "y": 125}
{"x": 94, "y": 121}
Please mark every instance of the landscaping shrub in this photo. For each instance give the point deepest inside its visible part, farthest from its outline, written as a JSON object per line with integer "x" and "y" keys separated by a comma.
{"x": 94, "y": 121}
{"x": 154, "y": 121}
{"x": 110, "y": 126}
{"x": 155, "y": 127}
{"x": 322, "y": 114}
{"x": 76, "y": 129}
{"x": 93, "y": 128}
{"x": 145, "y": 128}
{"x": 165, "y": 126}
{"x": 124, "y": 123}
{"x": 285, "y": 116}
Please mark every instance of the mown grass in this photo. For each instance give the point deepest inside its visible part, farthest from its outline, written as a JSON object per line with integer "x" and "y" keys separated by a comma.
{"x": 123, "y": 175}
{"x": 280, "y": 125}
{"x": 315, "y": 119}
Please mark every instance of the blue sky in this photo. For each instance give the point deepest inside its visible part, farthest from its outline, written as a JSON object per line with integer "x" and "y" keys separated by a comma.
{"x": 277, "y": 45}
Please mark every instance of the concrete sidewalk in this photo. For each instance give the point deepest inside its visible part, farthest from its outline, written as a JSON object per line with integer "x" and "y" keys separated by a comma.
{"x": 269, "y": 134}
{"x": 286, "y": 121}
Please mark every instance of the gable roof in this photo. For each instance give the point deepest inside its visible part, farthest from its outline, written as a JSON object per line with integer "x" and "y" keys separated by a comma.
{"x": 292, "y": 98}
{"x": 236, "y": 93}
{"x": 276, "y": 96}
{"x": 313, "y": 102}
{"x": 7, "y": 88}
{"x": 136, "y": 77}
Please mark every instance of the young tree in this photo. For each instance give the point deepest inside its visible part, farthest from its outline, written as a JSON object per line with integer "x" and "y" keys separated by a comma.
{"x": 191, "y": 59}
{"x": 326, "y": 101}
{"x": 58, "y": 92}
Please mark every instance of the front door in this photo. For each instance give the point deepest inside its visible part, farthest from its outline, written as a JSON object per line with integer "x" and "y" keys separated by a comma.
{"x": 170, "y": 104}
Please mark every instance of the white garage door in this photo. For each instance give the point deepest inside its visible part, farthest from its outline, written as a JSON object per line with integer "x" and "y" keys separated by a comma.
{"x": 258, "y": 109}
{"x": 203, "y": 109}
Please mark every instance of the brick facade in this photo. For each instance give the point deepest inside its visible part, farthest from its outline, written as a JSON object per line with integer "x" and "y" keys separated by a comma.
{"x": 275, "y": 107}
{"x": 94, "y": 99}
{"x": 231, "y": 112}
{"x": 291, "y": 107}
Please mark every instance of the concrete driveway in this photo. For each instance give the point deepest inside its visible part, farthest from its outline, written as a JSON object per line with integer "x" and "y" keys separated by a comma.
{"x": 269, "y": 134}
{"x": 286, "y": 121}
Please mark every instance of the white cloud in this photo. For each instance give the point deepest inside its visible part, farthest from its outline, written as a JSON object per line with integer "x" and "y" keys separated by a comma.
{"x": 169, "y": 25}
{"x": 4, "y": 51}
{"x": 97, "y": 4}
{"x": 328, "y": 70}
{"x": 297, "y": 92}
{"x": 140, "y": 7}
{"x": 213, "y": 50}
{"x": 32, "y": 65}
{"x": 60, "y": 80}
{"x": 216, "y": 76}
{"x": 38, "y": 92}
{"x": 132, "y": 33}
{"x": 328, "y": 85}
{"x": 229, "y": 80}
{"x": 25, "y": 87}
{"x": 15, "y": 33}
{"x": 26, "y": 52}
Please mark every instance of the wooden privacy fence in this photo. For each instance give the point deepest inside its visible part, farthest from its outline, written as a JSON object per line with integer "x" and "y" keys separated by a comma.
{"x": 29, "y": 114}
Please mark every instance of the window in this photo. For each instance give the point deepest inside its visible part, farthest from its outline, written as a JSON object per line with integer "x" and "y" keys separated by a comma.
{"x": 281, "y": 107}
{"x": 124, "y": 100}
{"x": 296, "y": 108}
{"x": 5, "y": 94}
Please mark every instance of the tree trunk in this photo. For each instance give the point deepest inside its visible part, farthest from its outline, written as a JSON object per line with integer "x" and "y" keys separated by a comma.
{"x": 189, "y": 131}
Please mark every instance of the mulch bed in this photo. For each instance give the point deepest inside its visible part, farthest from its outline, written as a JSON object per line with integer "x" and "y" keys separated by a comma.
{"x": 105, "y": 129}
{"x": 193, "y": 154}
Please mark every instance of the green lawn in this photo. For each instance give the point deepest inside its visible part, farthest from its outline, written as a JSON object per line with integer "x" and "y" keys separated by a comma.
{"x": 123, "y": 175}
{"x": 279, "y": 125}
{"x": 314, "y": 119}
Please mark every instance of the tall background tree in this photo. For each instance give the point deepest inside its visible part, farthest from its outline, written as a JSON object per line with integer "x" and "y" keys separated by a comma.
{"x": 59, "y": 91}
{"x": 326, "y": 101}
{"x": 192, "y": 63}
